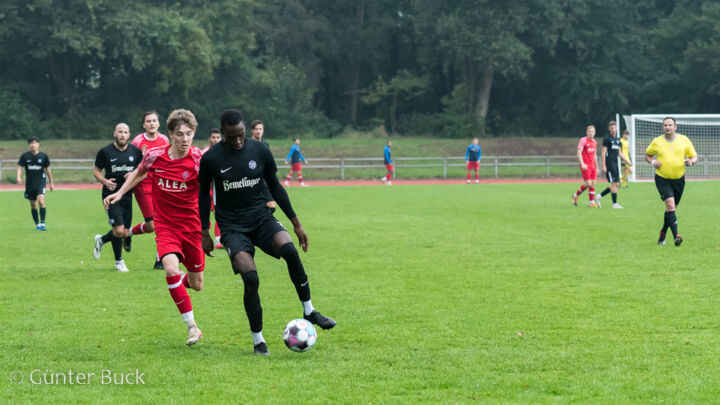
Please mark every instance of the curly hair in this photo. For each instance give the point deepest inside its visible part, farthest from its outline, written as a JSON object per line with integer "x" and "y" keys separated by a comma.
{"x": 179, "y": 117}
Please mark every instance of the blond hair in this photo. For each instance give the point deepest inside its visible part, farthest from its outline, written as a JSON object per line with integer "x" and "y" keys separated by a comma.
{"x": 179, "y": 117}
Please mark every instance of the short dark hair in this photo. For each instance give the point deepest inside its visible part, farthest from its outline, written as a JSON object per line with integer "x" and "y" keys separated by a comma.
{"x": 670, "y": 118}
{"x": 255, "y": 123}
{"x": 611, "y": 123}
{"x": 231, "y": 117}
{"x": 33, "y": 139}
{"x": 145, "y": 114}
{"x": 214, "y": 131}
{"x": 625, "y": 131}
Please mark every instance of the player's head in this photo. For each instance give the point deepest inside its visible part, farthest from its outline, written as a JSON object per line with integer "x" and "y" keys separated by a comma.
{"x": 669, "y": 126}
{"x": 296, "y": 141}
{"x": 476, "y": 141}
{"x": 150, "y": 122}
{"x": 181, "y": 125}
{"x": 612, "y": 128}
{"x": 214, "y": 136}
{"x": 232, "y": 126}
{"x": 34, "y": 144}
{"x": 121, "y": 134}
{"x": 258, "y": 129}
{"x": 590, "y": 131}
{"x": 625, "y": 134}
{"x": 389, "y": 143}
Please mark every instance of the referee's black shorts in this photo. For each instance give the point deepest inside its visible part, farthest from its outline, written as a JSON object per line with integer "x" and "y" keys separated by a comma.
{"x": 670, "y": 188}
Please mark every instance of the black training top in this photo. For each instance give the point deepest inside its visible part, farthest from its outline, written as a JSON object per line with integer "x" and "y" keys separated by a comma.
{"x": 34, "y": 169}
{"x": 236, "y": 177}
{"x": 117, "y": 163}
{"x": 612, "y": 143}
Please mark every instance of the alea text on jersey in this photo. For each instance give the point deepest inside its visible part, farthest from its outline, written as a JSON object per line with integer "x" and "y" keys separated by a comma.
{"x": 171, "y": 185}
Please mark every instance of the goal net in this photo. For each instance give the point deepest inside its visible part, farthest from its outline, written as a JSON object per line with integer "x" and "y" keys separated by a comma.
{"x": 702, "y": 129}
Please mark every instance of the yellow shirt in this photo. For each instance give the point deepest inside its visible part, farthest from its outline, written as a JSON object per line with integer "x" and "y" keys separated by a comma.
{"x": 625, "y": 148}
{"x": 671, "y": 154}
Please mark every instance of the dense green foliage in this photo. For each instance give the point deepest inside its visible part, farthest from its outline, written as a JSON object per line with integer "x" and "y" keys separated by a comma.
{"x": 73, "y": 68}
{"x": 443, "y": 294}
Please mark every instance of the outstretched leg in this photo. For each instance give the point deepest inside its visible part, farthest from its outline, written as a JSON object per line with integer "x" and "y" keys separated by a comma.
{"x": 243, "y": 264}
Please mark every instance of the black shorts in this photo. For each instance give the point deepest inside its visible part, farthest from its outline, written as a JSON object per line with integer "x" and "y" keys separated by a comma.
{"x": 31, "y": 193}
{"x": 262, "y": 236}
{"x": 670, "y": 188}
{"x": 613, "y": 174}
{"x": 120, "y": 213}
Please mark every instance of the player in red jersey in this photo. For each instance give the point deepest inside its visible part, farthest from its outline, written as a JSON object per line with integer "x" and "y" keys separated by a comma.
{"x": 149, "y": 139}
{"x": 175, "y": 197}
{"x": 588, "y": 165}
{"x": 214, "y": 137}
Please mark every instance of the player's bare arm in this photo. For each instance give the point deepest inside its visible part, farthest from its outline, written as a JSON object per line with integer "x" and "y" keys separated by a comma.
{"x": 301, "y": 234}
{"x": 205, "y": 181}
{"x": 691, "y": 161}
{"x": 604, "y": 153}
{"x": 109, "y": 184}
{"x": 48, "y": 173}
{"x": 583, "y": 166}
{"x": 19, "y": 175}
{"x": 133, "y": 179}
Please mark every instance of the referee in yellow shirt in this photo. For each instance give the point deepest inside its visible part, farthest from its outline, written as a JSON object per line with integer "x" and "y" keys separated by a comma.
{"x": 669, "y": 153}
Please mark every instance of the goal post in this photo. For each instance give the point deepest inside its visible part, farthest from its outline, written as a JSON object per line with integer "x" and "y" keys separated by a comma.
{"x": 702, "y": 129}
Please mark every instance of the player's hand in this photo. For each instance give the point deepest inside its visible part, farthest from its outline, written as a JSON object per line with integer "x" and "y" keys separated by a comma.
{"x": 583, "y": 166}
{"x": 302, "y": 237}
{"x": 19, "y": 180}
{"x": 656, "y": 164}
{"x": 286, "y": 162}
{"x": 52, "y": 187}
{"x": 688, "y": 162}
{"x": 207, "y": 243}
{"x": 604, "y": 170}
{"x": 111, "y": 199}
{"x": 111, "y": 185}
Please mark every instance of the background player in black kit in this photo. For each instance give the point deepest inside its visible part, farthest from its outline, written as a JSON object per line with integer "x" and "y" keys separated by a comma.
{"x": 610, "y": 154}
{"x": 118, "y": 160}
{"x": 37, "y": 171}
{"x": 235, "y": 169}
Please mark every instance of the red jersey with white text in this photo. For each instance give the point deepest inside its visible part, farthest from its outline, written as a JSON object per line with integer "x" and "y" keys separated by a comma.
{"x": 174, "y": 188}
{"x": 145, "y": 144}
{"x": 588, "y": 146}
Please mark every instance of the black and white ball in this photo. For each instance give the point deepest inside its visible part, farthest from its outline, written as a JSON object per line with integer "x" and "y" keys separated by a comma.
{"x": 299, "y": 335}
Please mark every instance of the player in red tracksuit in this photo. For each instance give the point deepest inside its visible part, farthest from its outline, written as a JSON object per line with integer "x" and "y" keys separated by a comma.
{"x": 586, "y": 151}
{"x": 149, "y": 139}
{"x": 175, "y": 189}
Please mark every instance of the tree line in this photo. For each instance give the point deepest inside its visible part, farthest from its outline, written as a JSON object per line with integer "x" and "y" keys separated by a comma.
{"x": 455, "y": 68}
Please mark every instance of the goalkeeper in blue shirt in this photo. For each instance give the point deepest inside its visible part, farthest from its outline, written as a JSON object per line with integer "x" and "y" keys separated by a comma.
{"x": 473, "y": 154}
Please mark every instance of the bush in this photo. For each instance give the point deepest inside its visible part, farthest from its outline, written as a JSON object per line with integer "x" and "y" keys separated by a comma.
{"x": 18, "y": 116}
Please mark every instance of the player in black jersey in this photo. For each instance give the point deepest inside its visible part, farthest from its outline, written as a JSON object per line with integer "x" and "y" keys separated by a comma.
{"x": 118, "y": 160}
{"x": 37, "y": 172}
{"x": 610, "y": 155}
{"x": 235, "y": 168}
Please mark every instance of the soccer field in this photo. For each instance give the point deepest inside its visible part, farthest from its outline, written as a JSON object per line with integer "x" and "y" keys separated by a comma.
{"x": 443, "y": 294}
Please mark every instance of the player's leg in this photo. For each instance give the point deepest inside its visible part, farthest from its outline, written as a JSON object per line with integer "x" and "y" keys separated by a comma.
{"x": 282, "y": 246}
{"x": 582, "y": 188}
{"x": 288, "y": 177}
{"x": 126, "y": 206}
{"x": 145, "y": 203}
{"x": 476, "y": 166}
{"x": 668, "y": 198}
{"x": 218, "y": 245}
{"x": 469, "y": 172}
{"x": 170, "y": 250}
{"x": 241, "y": 250}
{"x": 118, "y": 232}
{"x": 678, "y": 186}
{"x": 591, "y": 193}
{"x": 42, "y": 209}
{"x": 33, "y": 209}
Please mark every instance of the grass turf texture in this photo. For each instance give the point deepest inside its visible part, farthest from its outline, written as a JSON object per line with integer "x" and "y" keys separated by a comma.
{"x": 444, "y": 294}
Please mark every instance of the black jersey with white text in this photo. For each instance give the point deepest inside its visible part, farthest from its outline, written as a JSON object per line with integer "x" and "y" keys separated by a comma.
{"x": 612, "y": 143}
{"x": 237, "y": 178}
{"x": 34, "y": 169}
{"x": 117, "y": 163}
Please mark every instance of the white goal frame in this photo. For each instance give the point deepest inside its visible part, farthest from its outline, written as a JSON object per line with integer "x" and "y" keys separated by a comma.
{"x": 708, "y": 165}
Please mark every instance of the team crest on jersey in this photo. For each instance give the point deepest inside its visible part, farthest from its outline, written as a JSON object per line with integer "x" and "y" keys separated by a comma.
{"x": 131, "y": 158}
{"x": 185, "y": 175}
{"x": 40, "y": 160}
{"x": 252, "y": 164}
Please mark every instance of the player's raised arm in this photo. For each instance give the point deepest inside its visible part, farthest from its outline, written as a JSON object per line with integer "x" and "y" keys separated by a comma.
{"x": 132, "y": 180}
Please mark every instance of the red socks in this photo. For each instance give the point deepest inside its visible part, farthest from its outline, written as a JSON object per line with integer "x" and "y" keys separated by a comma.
{"x": 591, "y": 193}
{"x": 138, "y": 229}
{"x": 176, "y": 285}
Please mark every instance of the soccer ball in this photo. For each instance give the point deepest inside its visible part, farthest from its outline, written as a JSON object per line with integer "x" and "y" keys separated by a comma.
{"x": 299, "y": 335}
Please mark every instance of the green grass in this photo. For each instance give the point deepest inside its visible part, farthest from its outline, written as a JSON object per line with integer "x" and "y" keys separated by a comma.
{"x": 443, "y": 294}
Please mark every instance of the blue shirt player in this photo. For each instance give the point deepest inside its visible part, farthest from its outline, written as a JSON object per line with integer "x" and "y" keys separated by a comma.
{"x": 296, "y": 159}
{"x": 388, "y": 164}
{"x": 473, "y": 154}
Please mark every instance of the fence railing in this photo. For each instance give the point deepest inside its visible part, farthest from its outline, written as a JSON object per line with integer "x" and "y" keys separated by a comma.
{"x": 410, "y": 167}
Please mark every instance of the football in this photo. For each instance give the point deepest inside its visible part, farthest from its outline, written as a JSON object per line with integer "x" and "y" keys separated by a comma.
{"x": 299, "y": 335}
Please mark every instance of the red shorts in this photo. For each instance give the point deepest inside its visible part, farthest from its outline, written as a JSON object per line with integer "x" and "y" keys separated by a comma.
{"x": 145, "y": 202}
{"x": 590, "y": 173}
{"x": 389, "y": 167}
{"x": 187, "y": 245}
{"x": 473, "y": 165}
{"x": 296, "y": 167}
